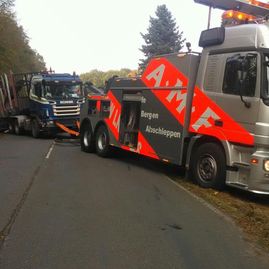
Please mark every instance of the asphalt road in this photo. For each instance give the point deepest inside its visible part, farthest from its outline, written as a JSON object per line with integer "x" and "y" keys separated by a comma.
{"x": 62, "y": 208}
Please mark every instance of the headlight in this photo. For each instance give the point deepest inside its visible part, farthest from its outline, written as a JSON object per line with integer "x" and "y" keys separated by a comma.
{"x": 266, "y": 165}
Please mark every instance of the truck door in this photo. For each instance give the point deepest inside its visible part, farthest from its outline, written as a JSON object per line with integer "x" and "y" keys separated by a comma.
{"x": 240, "y": 95}
{"x": 237, "y": 91}
{"x": 35, "y": 97}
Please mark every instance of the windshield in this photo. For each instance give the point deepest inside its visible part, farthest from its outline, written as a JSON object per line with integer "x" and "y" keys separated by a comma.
{"x": 63, "y": 91}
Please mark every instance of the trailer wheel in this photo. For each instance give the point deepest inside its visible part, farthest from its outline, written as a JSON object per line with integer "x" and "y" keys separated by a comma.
{"x": 103, "y": 148}
{"x": 208, "y": 166}
{"x": 86, "y": 139}
{"x": 35, "y": 128}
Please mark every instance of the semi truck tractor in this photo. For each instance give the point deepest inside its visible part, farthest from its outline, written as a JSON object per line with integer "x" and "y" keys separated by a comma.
{"x": 207, "y": 112}
{"x": 42, "y": 102}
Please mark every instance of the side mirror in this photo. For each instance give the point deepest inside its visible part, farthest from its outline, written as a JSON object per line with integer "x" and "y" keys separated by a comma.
{"x": 241, "y": 75}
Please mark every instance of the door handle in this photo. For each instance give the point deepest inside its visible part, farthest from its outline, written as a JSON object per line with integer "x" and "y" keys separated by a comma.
{"x": 218, "y": 123}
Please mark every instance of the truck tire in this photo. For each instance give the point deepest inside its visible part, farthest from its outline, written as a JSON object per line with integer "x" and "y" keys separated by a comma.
{"x": 87, "y": 139}
{"x": 208, "y": 166}
{"x": 11, "y": 127}
{"x": 35, "y": 128}
{"x": 17, "y": 129}
{"x": 102, "y": 146}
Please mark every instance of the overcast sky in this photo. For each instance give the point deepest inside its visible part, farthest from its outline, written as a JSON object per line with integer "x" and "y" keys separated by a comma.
{"x": 81, "y": 35}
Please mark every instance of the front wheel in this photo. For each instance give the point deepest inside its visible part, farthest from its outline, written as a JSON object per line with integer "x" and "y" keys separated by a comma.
{"x": 87, "y": 139}
{"x": 35, "y": 128}
{"x": 103, "y": 148}
{"x": 11, "y": 128}
{"x": 17, "y": 128}
{"x": 208, "y": 166}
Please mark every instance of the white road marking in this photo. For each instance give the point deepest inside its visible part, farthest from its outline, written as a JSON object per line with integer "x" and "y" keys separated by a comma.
{"x": 50, "y": 150}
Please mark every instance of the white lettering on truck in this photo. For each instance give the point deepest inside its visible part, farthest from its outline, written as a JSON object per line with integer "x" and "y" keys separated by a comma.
{"x": 179, "y": 97}
{"x": 203, "y": 120}
{"x": 157, "y": 74}
{"x": 149, "y": 115}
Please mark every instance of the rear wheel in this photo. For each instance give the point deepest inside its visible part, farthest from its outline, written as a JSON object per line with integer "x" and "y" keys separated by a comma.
{"x": 208, "y": 166}
{"x": 11, "y": 127}
{"x": 17, "y": 128}
{"x": 86, "y": 139}
{"x": 35, "y": 128}
{"x": 103, "y": 148}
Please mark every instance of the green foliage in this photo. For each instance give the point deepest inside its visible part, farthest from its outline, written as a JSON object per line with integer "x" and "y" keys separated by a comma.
{"x": 163, "y": 36}
{"x": 15, "y": 51}
{"x": 5, "y": 5}
{"x": 98, "y": 78}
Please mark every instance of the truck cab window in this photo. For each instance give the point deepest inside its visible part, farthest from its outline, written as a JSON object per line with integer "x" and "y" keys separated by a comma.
{"x": 266, "y": 77}
{"x": 53, "y": 90}
{"x": 240, "y": 75}
{"x": 38, "y": 90}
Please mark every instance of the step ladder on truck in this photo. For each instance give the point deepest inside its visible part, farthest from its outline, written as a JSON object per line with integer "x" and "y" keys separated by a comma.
{"x": 41, "y": 102}
{"x": 207, "y": 112}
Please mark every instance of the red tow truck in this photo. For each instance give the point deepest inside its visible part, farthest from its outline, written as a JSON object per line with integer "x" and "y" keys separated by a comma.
{"x": 207, "y": 112}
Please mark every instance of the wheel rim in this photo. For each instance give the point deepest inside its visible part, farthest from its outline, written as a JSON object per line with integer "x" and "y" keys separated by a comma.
{"x": 102, "y": 141}
{"x": 86, "y": 138}
{"x": 207, "y": 168}
{"x": 16, "y": 128}
{"x": 10, "y": 127}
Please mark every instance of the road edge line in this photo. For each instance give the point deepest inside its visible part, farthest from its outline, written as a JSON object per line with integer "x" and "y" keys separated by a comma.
{"x": 202, "y": 201}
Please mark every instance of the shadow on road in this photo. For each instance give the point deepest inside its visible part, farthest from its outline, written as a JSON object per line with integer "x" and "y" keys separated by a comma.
{"x": 172, "y": 171}
{"x": 176, "y": 172}
{"x": 148, "y": 163}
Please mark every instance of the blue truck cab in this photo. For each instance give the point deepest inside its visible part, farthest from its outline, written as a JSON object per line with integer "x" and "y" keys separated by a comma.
{"x": 55, "y": 99}
{"x": 44, "y": 102}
